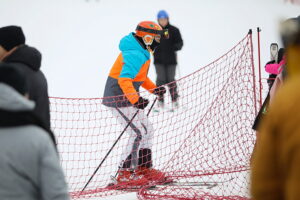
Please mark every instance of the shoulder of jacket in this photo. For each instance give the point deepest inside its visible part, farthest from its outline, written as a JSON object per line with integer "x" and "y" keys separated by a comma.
{"x": 136, "y": 54}
{"x": 36, "y": 131}
{"x": 174, "y": 27}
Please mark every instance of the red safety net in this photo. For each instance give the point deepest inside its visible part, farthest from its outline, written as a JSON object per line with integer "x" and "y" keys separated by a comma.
{"x": 204, "y": 145}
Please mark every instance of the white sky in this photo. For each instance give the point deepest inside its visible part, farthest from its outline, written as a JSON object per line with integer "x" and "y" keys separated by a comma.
{"x": 79, "y": 40}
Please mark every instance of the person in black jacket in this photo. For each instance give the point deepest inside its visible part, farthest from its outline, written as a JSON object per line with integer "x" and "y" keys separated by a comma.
{"x": 165, "y": 58}
{"x": 28, "y": 60}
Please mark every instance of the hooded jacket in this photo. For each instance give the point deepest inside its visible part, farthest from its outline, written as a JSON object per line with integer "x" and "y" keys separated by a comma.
{"x": 276, "y": 161}
{"x": 29, "y": 163}
{"x": 28, "y": 59}
{"x": 128, "y": 73}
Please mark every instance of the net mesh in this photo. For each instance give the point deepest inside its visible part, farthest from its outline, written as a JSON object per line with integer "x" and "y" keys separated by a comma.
{"x": 204, "y": 145}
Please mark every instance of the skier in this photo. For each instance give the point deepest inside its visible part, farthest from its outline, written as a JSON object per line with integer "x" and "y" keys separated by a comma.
{"x": 128, "y": 73}
{"x": 277, "y": 60}
{"x": 276, "y": 70}
{"x": 165, "y": 59}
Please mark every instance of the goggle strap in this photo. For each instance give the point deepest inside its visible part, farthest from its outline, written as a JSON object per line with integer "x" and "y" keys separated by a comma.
{"x": 148, "y": 30}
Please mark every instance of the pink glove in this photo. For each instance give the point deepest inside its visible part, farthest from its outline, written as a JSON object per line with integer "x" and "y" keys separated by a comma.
{"x": 275, "y": 68}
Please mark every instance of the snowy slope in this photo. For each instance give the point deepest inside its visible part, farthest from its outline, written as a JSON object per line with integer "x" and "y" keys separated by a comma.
{"x": 79, "y": 38}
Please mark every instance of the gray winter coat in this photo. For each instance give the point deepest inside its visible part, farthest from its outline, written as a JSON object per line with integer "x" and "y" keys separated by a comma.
{"x": 29, "y": 164}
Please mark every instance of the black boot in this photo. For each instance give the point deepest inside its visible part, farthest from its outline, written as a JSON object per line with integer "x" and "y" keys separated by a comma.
{"x": 145, "y": 158}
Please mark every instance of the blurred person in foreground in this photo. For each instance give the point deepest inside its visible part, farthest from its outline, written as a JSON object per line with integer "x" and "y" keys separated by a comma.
{"x": 29, "y": 163}
{"x": 276, "y": 161}
{"x": 165, "y": 59}
{"x": 28, "y": 59}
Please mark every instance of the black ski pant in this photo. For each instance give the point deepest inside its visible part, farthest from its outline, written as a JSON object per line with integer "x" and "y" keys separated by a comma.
{"x": 166, "y": 74}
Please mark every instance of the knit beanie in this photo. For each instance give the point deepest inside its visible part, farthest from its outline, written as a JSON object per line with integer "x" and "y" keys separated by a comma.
{"x": 11, "y": 36}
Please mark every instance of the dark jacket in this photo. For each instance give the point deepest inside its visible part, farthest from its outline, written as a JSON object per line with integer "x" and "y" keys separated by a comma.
{"x": 29, "y": 163}
{"x": 165, "y": 53}
{"x": 28, "y": 59}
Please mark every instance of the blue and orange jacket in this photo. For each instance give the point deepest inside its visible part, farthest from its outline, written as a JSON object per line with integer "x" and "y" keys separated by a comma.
{"x": 128, "y": 73}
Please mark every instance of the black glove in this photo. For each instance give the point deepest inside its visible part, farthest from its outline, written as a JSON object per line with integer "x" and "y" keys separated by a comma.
{"x": 159, "y": 91}
{"x": 141, "y": 103}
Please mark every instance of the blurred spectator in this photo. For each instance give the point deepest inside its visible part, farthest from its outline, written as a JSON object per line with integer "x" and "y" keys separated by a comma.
{"x": 277, "y": 73}
{"x": 274, "y": 68}
{"x": 29, "y": 163}
{"x": 276, "y": 161}
{"x": 165, "y": 58}
{"x": 27, "y": 59}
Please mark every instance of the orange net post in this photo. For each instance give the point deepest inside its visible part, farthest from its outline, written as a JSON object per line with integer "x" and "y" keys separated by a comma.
{"x": 204, "y": 145}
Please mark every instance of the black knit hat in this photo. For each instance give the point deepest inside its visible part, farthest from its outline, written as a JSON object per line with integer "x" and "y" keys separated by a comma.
{"x": 11, "y": 36}
{"x": 12, "y": 76}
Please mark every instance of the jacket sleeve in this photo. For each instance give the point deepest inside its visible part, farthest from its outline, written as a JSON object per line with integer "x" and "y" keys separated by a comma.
{"x": 178, "y": 42}
{"x": 131, "y": 67}
{"x": 149, "y": 85}
{"x": 128, "y": 89}
{"x": 52, "y": 179}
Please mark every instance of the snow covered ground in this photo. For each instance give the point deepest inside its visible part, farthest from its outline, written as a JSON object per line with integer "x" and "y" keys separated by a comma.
{"x": 79, "y": 38}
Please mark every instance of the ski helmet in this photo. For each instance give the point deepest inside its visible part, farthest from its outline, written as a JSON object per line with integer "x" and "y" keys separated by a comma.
{"x": 149, "y": 31}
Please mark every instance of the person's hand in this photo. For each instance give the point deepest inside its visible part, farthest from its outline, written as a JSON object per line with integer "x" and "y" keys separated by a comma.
{"x": 141, "y": 103}
{"x": 159, "y": 91}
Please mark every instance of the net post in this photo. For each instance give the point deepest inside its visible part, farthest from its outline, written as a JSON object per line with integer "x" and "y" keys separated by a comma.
{"x": 259, "y": 65}
{"x": 253, "y": 71}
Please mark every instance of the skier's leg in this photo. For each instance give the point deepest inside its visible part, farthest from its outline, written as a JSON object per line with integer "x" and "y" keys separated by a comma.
{"x": 145, "y": 163}
{"x": 145, "y": 152}
{"x": 129, "y": 157}
{"x": 134, "y": 135}
{"x": 161, "y": 78}
{"x": 171, "y": 72}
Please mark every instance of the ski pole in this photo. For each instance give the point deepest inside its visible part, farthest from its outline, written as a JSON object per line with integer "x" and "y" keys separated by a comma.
{"x": 115, "y": 145}
{"x": 151, "y": 106}
{"x": 109, "y": 151}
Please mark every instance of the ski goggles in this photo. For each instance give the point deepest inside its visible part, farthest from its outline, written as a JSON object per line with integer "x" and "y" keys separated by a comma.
{"x": 163, "y": 33}
{"x": 148, "y": 39}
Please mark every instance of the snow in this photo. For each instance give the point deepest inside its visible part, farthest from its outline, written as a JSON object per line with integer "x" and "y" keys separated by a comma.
{"x": 79, "y": 38}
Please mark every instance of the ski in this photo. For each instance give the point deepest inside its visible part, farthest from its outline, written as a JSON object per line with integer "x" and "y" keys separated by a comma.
{"x": 114, "y": 185}
{"x": 205, "y": 185}
{"x": 191, "y": 184}
{"x": 274, "y": 52}
{"x": 209, "y": 185}
{"x": 127, "y": 188}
